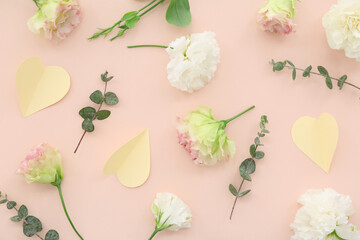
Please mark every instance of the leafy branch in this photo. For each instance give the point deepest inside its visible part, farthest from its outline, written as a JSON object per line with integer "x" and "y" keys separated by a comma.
{"x": 279, "y": 66}
{"x": 31, "y": 225}
{"x": 178, "y": 14}
{"x": 248, "y": 166}
{"x": 89, "y": 114}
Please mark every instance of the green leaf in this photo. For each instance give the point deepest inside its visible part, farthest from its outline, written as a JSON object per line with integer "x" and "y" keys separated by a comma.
{"x": 105, "y": 78}
{"x": 178, "y": 13}
{"x": 52, "y": 235}
{"x": 87, "y": 125}
{"x": 244, "y": 193}
{"x": 87, "y": 112}
{"x": 329, "y": 82}
{"x": 247, "y": 167}
{"x": 111, "y": 98}
{"x": 23, "y": 212}
{"x": 233, "y": 190}
{"x": 129, "y": 15}
{"x": 294, "y": 74}
{"x": 265, "y": 131}
{"x": 259, "y": 155}
{"x": 264, "y": 119}
{"x": 290, "y": 63}
{"x": 15, "y": 219}
{"x": 252, "y": 150}
{"x": 278, "y": 66}
{"x": 261, "y": 134}
{"x": 342, "y": 81}
{"x": 103, "y": 114}
{"x": 3, "y": 201}
{"x": 132, "y": 22}
{"x": 31, "y": 226}
{"x": 323, "y": 71}
{"x": 307, "y": 71}
{"x": 257, "y": 141}
{"x": 97, "y": 97}
{"x": 11, "y": 205}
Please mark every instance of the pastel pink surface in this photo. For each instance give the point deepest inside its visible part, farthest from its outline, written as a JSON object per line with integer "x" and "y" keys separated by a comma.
{"x": 99, "y": 205}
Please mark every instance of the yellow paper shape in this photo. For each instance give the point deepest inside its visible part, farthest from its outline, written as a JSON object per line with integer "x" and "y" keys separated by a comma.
{"x": 317, "y": 138}
{"x": 38, "y": 86}
{"x": 131, "y": 162}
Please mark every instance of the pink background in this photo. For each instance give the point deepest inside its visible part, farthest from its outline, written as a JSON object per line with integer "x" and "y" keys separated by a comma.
{"x": 100, "y": 206}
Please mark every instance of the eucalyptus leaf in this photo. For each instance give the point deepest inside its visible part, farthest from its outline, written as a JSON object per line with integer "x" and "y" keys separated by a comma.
{"x": 244, "y": 193}
{"x": 15, "y": 219}
{"x": 278, "y": 66}
{"x": 290, "y": 63}
{"x": 97, "y": 97}
{"x": 257, "y": 141}
{"x": 294, "y": 74}
{"x": 307, "y": 71}
{"x": 87, "y": 125}
{"x": 264, "y": 119}
{"x": 31, "y": 226}
{"x": 87, "y": 112}
{"x": 105, "y": 78}
{"x": 3, "y": 201}
{"x": 323, "y": 71}
{"x": 252, "y": 150}
{"x": 23, "y": 212}
{"x": 342, "y": 81}
{"x": 329, "y": 82}
{"x": 233, "y": 190}
{"x": 178, "y": 13}
{"x": 247, "y": 167}
{"x": 259, "y": 155}
{"x": 261, "y": 134}
{"x": 103, "y": 114}
{"x": 52, "y": 235}
{"x": 11, "y": 205}
{"x": 111, "y": 98}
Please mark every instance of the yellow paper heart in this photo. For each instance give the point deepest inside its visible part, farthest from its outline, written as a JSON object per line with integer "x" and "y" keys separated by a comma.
{"x": 38, "y": 86}
{"x": 317, "y": 138}
{"x": 131, "y": 162}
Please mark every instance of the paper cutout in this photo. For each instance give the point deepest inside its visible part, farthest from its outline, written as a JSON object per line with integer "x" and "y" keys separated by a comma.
{"x": 317, "y": 138}
{"x": 38, "y": 86}
{"x": 131, "y": 162}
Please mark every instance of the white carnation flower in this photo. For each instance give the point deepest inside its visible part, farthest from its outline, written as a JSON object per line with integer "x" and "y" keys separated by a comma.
{"x": 321, "y": 213}
{"x": 171, "y": 212}
{"x": 342, "y": 25}
{"x": 194, "y": 60}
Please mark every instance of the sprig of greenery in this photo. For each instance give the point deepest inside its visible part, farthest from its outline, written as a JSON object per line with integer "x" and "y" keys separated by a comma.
{"x": 178, "y": 14}
{"x": 89, "y": 114}
{"x": 279, "y": 66}
{"x": 31, "y": 225}
{"x": 248, "y": 166}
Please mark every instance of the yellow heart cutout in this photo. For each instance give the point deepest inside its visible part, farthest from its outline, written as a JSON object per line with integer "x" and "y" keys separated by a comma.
{"x": 317, "y": 138}
{"x": 131, "y": 162}
{"x": 38, "y": 86}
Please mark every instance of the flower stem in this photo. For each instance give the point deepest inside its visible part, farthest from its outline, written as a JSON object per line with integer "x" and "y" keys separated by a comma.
{"x": 148, "y": 10}
{"x": 66, "y": 213}
{"x": 37, "y": 3}
{"x": 230, "y": 119}
{"x": 138, "y": 46}
{"x": 154, "y": 233}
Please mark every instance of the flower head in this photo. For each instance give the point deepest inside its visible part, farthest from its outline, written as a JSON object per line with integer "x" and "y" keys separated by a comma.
{"x": 342, "y": 25}
{"x": 55, "y": 19}
{"x": 42, "y": 165}
{"x": 277, "y": 16}
{"x": 322, "y": 213}
{"x": 170, "y": 212}
{"x": 194, "y": 60}
{"x": 204, "y": 138}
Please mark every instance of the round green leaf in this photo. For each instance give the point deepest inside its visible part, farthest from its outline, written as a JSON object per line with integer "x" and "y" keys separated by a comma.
{"x": 323, "y": 71}
{"x": 52, "y": 235}
{"x": 247, "y": 167}
{"x": 11, "y": 204}
{"x": 252, "y": 150}
{"x": 87, "y": 112}
{"x": 31, "y": 226}
{"x": 23, "y": 211}
{"x": 233, "y": 190}
{"x": 15, "y": 219}
{"x": 103, "y": 114}
{"x": 178, "y": 13}
{"x": 3, "y": 201}
{"x": 111, "y": 98}
{"x": 87, "y": 125}
{"x": 97, "y": 97}
{"x": 259, "y": 155}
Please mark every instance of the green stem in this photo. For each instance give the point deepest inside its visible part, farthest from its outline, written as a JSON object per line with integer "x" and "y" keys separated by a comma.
{"x": 230, "y": 119}
{"x": 154, "y": 233}
{"x": 147, "y": 5}
{"x": 66, "y": 213}
{"x": 154, "y": 6}
{"x": 37, "y": 3}
{"x": 138, "y": 46}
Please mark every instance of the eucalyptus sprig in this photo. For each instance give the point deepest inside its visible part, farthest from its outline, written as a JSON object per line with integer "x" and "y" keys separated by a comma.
{"x": 279, "y": 66}
{"x": 32, "y": 226}
{"x": 178, "y": 14}
{"x": 248, "y": 166}
{"x": 89, "y": 114}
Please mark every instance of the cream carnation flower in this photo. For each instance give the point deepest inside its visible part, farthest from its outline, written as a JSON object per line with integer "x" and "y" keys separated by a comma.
{"x": 194, "y": 60}
{"x": 322, "y": 212}
{"x": 342, "y": 25}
